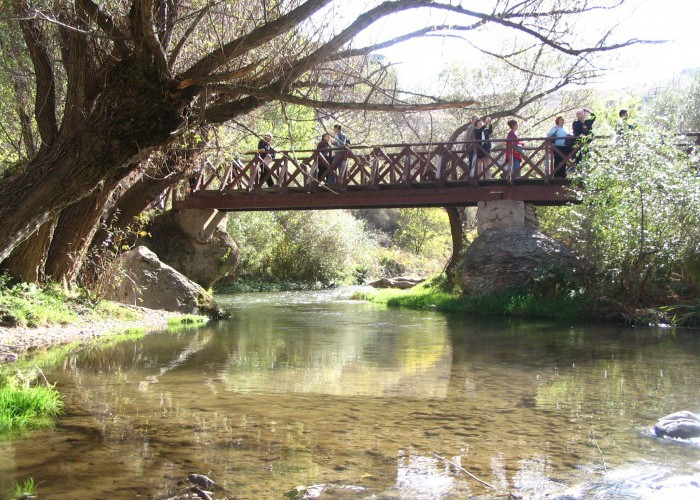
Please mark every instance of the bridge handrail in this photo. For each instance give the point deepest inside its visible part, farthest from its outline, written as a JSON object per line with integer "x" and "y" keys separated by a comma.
{"x": 372, "y": 167}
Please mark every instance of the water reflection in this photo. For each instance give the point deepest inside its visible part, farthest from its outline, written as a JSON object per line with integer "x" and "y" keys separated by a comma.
{"x": 302, "y": 389}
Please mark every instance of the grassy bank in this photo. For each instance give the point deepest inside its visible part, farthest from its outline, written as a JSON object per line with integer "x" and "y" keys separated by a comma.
{"x": 513, "y": 303}
{"x": 31, "y": 305}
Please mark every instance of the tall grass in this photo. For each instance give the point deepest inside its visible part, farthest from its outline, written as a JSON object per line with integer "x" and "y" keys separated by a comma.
{"x": 27, "y": 407}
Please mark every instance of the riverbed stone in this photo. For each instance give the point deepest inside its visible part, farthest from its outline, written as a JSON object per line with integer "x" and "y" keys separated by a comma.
{"x": 204, "y": 255}
{"x": 679, "y": 425}
{"x": 401, "y": 282}
{"x": 517, "y": 258}
{"x": 138, "y": 277}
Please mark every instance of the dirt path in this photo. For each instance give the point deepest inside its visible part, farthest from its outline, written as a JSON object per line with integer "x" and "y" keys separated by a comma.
{"x": 16, "y": 341}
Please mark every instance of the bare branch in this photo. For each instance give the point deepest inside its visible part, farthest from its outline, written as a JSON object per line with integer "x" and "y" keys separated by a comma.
{"x": 105, "y": 22}
{"x": 254, "y": 39}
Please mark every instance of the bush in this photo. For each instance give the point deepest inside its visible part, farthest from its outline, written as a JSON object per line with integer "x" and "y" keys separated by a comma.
{"x": 320, "y": 248}
{"x": 638, "y": 226}
{"x": 23, "y": 406}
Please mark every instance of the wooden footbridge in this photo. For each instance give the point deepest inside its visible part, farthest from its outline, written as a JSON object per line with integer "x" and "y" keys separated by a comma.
{"x": 391, "y": 175}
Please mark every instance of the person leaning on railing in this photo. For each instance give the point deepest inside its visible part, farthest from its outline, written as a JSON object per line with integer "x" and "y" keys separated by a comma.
{"x": 560, "y": 147}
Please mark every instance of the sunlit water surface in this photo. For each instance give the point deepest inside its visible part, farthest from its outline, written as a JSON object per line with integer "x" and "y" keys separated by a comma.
{"x": 301, "y": 389}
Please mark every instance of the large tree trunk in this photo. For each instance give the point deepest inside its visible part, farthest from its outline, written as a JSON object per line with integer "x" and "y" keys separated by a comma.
{"x": 457, "y": 232}
{"x": 26, "y": 263}
{"x": 77, "y": 225}
{"x": 135, "y": 113}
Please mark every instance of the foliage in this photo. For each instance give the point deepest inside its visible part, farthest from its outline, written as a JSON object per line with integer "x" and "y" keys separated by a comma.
{"x": 27, "y": 304}
{"x": 512, "y": 303}
{"x": 24, "y": 406}
{"x": 638, "y": 226}
{"x": 676, "y": 107}
{"x": 325, "y": 247}
{"x": 424, "y": 231}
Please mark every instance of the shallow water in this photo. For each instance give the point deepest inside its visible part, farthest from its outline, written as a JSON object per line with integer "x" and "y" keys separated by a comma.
{"x": 312, "y": 389}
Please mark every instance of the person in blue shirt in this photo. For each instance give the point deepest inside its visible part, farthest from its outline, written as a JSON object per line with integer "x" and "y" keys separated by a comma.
{"x": 560, "y": 147}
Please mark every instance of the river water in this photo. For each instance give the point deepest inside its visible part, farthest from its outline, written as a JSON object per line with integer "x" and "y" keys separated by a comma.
{"x": 302, "y": 389}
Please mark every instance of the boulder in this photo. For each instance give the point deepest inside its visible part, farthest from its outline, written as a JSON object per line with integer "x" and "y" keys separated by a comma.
{"x": 516, "y": 257}
{"x": 137, "y": 277}
{"x": 679, "y": 425}
{"x": 204, "y": 255}
{"x": 398, "y": 282}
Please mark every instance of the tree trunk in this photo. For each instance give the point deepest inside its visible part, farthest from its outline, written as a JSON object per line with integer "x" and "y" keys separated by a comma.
{"x": 26, "y": 263}
{"x": 135, "y": 113}
{"x": 457, "y": 232}
{"x": 77, "y": 225}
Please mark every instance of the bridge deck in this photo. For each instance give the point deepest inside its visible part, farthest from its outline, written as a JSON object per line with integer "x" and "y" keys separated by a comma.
{"x": 395, "y": 175}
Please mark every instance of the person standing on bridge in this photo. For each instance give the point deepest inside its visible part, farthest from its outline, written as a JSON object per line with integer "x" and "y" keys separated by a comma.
{"x": 560, "y": 148}
{"x": 514, "y": 150}
{"x": 470, "y": 148}
{"x": 340, "y": 143}
{"x": 582, "y": 128}
{"x": 325, "y": 157}
{"x": 266, "y": 154}
{"x": 482, "y": 134}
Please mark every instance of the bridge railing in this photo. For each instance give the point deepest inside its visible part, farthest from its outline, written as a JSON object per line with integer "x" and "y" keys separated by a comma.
{"x": 393, "y": 166}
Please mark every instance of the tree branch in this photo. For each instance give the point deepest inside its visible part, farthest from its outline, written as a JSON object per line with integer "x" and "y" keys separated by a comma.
{"x": 45, "y": 102}
{"x": 254, "y": 39}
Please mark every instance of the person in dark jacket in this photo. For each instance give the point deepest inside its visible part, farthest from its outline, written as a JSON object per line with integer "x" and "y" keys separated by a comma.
{"x": 482, "y": 134}
{"x": 325, "y": 156}
{"x": 266, "y": 153}
{"x": 582, "y": 129}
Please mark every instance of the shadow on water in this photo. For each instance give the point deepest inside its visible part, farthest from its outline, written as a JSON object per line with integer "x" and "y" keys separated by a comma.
{"x": 311, "y": 388}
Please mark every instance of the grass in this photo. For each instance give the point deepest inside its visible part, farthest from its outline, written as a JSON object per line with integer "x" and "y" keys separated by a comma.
{"x": 27, "y": 407}
{"x": 31, "y": 305}
{"x": 513, "y": 303}
{"x": 25, "y": 489}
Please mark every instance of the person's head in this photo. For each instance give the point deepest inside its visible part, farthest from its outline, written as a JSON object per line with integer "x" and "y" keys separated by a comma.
{"x": 268, "y": 137}
{"x": 326, "y": 137}
{"x": 337, "y": 128}
{"x": 479, "y": 123}
{"x": 580, "y": 115}
{"x": 623, "y": 113}
{"x": 488, "y": 120}
{"x": 513, "y": 124}
{"x": 559, "y": 121}
{"x": 474, "y": 119}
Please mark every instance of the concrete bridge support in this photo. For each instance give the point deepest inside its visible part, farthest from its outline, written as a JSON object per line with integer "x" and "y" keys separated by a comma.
{"x": 501, "y": 214}
{"x": 199, "y": 223}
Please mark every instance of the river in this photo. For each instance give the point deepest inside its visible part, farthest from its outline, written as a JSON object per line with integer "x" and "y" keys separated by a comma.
{"x": 302, "y": 389}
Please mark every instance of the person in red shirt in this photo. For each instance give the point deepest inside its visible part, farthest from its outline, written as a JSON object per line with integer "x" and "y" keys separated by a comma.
{"x": 514, "y": 150}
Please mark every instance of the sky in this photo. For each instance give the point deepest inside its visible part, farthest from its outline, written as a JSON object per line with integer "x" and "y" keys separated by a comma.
{"x": 677, "y": 21}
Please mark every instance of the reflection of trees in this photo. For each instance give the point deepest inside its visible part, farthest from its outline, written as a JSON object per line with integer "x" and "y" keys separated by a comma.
{"x": 358, "y": 357}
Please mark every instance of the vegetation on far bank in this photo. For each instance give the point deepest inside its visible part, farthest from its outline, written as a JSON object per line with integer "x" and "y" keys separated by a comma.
{"x": 432, "y": 295}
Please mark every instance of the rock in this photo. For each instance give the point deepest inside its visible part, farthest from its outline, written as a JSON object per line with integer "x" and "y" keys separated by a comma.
{"x": 399, "y": 282}
{"x": 679, "y": 425}
{"x": 203, "y": 256}
{"x": 137, "y": 277}
{"x": 516, "y": 257}
{"x": 201, "y": 480}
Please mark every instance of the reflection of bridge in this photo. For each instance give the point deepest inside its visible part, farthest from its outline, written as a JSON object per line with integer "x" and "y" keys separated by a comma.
{"x": 393, "y": 175}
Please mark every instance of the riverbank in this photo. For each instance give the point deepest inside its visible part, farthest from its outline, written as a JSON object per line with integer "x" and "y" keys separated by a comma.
{"x": 18, "y": 340}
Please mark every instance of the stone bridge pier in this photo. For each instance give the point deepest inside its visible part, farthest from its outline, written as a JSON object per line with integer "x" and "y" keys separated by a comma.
{"x": 511, "y": 253}
{"x": 195, "y": 242}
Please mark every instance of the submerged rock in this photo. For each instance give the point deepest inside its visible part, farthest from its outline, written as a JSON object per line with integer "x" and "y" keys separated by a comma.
{"x": 679, "y": 425}
{"x": 398, "y": 282}
{"x": 137, "y": 277}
